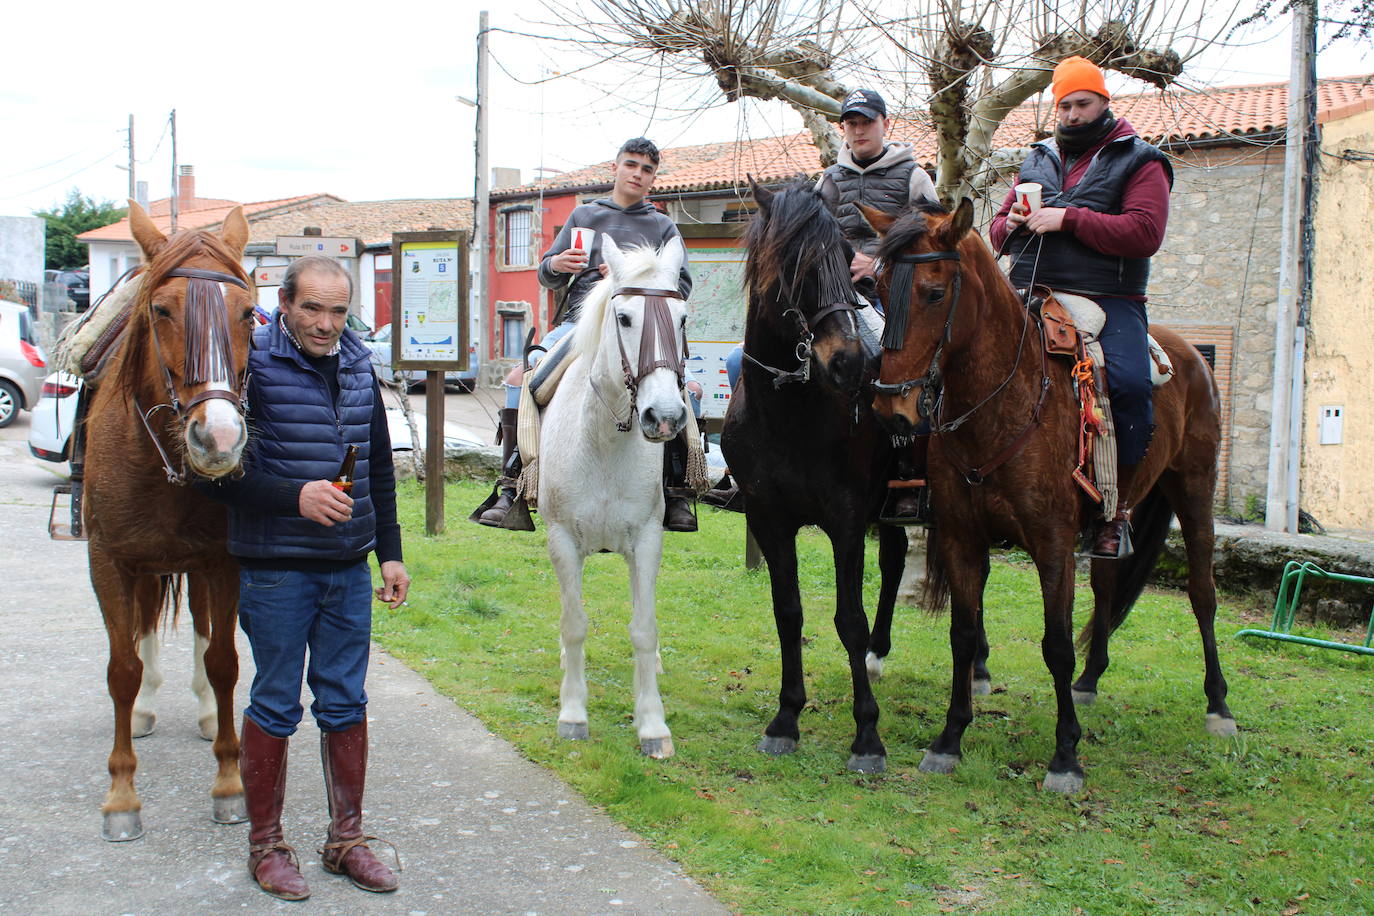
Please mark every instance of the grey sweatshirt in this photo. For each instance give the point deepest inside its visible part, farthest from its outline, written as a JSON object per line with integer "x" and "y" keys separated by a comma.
{"x": 638, "y": 224}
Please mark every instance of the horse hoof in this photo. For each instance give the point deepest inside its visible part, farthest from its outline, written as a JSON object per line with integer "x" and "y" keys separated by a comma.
{"x": 231, "y": 809}
{"x": 777, "y": 747}
{"x": 866, "y": 763}
{"x": 208, "y": 727}
{"x": 938, "y": 763}
{"x": 1069, "y": 783}
{"x": 1221, "y": 726}
{"x": 657, "y": 748}
{"x": 982, "y": 687}
{"x": 121, "y": 826}
{"x": 1084, "y": 697}
{"x": 143, "y": 724}
{"x": 874, "y": 664}
{"x": 574, "y": 731}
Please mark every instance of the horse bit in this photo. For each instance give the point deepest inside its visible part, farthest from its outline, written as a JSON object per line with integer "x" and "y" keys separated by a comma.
{"x": 658, "y": 329}
{"x": 206, "y": 360}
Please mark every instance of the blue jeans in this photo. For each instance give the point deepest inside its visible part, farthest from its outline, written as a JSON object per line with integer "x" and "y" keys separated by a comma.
{"x": 285, "y": 612}
{"x": 1125, "y": 344}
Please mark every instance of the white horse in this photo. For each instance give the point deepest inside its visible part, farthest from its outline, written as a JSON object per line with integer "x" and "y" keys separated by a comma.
{"x": 601, "y": 479}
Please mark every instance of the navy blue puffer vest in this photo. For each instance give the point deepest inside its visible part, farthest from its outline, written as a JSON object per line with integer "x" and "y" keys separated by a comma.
{"x": 296, "y": 433}
{"x": 1066, "y": 263}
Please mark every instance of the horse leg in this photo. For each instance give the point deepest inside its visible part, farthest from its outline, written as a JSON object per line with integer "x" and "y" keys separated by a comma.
{"x": 1104, "y": 575}
{"x": 654, "y": 738}
{"x": 1056, "y": 566}
{"x": 965, "y": 564}
{"x": 207, "y": 709}
{"x": 572, "y": 695}
{"x": 1194, "y": 511}
{"x": 144, "y": 715}
{"x": 214, "y": 601}
{"x": 867, "y": 754}
{"x": 122, "y": 600}
{"x": 779, "y": 549}
{"x": 891, "y": 564}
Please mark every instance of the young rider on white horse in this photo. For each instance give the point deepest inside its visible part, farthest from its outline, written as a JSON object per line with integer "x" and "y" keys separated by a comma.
{"x": 628, "y": 218}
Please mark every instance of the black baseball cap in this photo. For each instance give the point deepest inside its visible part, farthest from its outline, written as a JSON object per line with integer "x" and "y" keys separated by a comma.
{"x": 865, "y": 102}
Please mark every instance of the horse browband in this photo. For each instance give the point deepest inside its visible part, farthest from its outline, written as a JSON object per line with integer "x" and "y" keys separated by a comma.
{"x": 196, "y": 273}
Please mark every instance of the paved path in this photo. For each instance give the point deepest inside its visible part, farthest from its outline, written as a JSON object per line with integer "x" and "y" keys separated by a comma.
{"x": 480, "y": 829}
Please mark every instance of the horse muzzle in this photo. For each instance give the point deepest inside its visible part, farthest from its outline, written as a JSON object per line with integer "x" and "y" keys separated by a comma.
{"x": 660, "y": 423}
{"x": 215, "y": 437}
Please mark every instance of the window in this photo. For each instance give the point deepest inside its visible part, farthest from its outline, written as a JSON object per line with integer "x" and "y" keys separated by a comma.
{"x": 512, "y": 336}
{"x": 517, "y": 239}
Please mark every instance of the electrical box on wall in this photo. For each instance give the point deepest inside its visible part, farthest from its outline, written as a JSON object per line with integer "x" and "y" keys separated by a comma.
{"x": 1332, "y": 419}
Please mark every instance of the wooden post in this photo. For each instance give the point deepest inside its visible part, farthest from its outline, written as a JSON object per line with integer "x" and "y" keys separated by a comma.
{"x": 434, "y": 452}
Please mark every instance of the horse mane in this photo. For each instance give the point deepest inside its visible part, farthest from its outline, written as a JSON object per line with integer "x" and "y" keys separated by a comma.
{"x": 179, "y": 249}
{"x": 908, "y": 228}
{"x": 795, "y": 236}
{"x": 641, "y": 262}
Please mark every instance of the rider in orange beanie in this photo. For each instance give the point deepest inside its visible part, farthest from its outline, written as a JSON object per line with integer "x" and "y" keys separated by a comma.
{"x": 1075, "y": 74}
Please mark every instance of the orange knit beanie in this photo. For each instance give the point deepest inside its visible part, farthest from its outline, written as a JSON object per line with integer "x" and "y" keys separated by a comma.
{"x": 1075, "y": 74}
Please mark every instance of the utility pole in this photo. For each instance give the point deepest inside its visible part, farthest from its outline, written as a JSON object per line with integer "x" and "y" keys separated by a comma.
{"x": 133, "y": 185}
{"x": 1285, "y": 412}
{"x": 174, "y": 170}
{"x": 482, "y": 188}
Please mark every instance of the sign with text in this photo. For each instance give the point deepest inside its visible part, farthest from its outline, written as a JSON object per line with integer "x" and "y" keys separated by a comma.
{"x": 302, "y": 245}
{"x": 429, "y": 300}
{"x": 269, "y": 276}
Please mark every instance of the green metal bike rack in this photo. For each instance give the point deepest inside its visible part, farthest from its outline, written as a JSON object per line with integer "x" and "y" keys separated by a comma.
{"x": 1286, "y": 608}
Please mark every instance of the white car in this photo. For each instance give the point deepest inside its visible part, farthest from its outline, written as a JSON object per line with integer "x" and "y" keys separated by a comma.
{"x": 55, "y": 413}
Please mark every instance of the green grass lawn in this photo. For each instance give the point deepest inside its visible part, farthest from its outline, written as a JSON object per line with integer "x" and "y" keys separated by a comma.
{"x": 1279, "y": 820}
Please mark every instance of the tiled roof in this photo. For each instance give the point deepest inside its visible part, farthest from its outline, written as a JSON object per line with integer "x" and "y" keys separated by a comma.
{"x": 1174, "y": 117}
{"x": 207, "y": 213}
{"x": 372, "y": 221}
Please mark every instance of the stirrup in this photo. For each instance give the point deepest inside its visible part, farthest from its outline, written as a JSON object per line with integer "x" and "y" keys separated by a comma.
{"x": 1124, "y": 547}
{"x": 900, "y": 490}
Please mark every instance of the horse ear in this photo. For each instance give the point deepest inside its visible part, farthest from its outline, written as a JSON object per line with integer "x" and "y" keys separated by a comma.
{"x": 762, "y": 195}
{"x": 149, "y": 238}
{"x": 674, "y": 255}
{"x": 234, "y": 232}
{"x": 877, "y": 220}
{"x": 958, "y": 225}
{"x": 610, "y": 253}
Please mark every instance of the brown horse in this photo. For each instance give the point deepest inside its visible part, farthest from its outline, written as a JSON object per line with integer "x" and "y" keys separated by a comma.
{"x": 168, "y": 410}
{"x": 1004, "y": 440}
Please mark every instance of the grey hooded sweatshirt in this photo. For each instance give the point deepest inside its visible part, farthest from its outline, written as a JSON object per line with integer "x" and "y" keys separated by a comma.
{"x": 638, "y": 224}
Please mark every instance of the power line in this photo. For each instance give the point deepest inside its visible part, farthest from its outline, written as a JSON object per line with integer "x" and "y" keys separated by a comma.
{"x": 63, "y": 178}
{"x": 47, "y": 165}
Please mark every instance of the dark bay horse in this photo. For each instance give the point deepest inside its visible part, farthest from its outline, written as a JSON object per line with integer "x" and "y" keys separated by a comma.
{"x": 1005, "y": 440}
{"x": 170, "y": 409}
{"x": 805, "y": 448}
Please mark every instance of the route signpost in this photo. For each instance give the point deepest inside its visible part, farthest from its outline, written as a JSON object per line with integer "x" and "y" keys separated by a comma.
{"x": 429, "y": 331}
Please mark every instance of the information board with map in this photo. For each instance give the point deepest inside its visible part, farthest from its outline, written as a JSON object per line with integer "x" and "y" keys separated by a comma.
{"x": 715, "y": 321}
{"x": 429, "y": 300}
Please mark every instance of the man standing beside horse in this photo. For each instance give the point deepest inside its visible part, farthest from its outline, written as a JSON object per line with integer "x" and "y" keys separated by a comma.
{"x": 630, "y": 219}
{"x": 1105, "y": 206}
{"x": 302, "y": 531}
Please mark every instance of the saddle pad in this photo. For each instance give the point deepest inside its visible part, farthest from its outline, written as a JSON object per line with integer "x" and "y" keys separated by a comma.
{"x": 547, "y": 373}
{"x": 1090, "y": 319}
{"x": 86, "y": 344}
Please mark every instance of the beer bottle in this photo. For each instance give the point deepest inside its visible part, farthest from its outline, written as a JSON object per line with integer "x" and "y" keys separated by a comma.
{"x": 344, "y": 481}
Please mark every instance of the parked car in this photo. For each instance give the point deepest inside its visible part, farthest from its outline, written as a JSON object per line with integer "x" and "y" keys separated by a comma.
{"x": 380, "y": 345}
{"x": 55, "y": 414}
{"x": 22, "y": 362}
{"x": 77, "y": 283}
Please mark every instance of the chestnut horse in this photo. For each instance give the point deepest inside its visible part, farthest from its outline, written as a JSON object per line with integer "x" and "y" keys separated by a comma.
{"x": 804, "y": 446}
{"x": 1005, "y": 438}
{"x": 168, "y": 410}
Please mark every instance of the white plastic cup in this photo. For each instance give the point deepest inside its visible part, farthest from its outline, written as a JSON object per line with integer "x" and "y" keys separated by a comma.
{"x": 1028, "y": 195}
{"x": 582, "y": 238}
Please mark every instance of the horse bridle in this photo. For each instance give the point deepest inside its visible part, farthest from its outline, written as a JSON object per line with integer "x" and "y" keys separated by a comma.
{"x": 806, "y": 337}
{"x": 206, "y": 360}
{"x": 897, "y": 318}
{"x": 658, "y": 326}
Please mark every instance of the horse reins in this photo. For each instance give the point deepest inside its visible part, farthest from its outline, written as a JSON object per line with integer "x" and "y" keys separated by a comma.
{"x": 805, "y": 340}
{"x": 208, "y": 356}
{"x": 657, "y": 347}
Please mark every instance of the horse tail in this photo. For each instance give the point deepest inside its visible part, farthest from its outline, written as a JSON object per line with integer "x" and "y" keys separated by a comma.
{"x": 169, "y": 597}
{"x": 935, "y": 595}
{"x": 1150, "y": 526}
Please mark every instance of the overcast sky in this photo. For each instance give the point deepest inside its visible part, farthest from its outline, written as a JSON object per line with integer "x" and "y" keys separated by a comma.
{"x": 353, "y": 99}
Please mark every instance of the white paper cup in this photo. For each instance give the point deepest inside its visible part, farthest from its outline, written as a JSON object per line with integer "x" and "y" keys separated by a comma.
{"x": 1028, "y": 195}
{"x": 582, "y": 238}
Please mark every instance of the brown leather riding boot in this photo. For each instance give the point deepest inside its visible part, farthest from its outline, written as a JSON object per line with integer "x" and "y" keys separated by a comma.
{"x": 271, "y": 862}
{"x": 1113, "y": 538}
{"x": 497, "y": 506}
{"x": 678, "y": 514}
{"x": 345, "y": 850}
